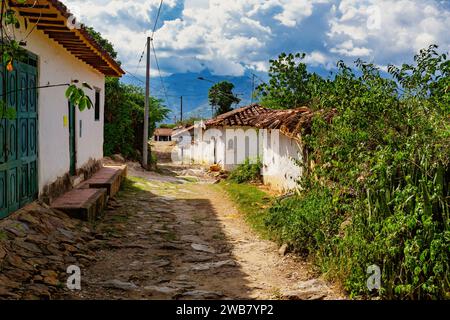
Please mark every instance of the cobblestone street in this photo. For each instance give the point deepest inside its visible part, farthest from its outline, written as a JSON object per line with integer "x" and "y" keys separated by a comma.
{"x": 169, "y": 237}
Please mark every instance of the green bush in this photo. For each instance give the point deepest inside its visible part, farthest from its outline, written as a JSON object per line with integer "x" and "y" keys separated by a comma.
{"x": 305, "y": 222}
{"x": 247, "y": 172}
{"x": 379, "y": 191}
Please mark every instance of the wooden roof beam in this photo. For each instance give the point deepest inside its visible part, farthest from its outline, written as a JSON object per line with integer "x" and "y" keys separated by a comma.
{"x": 28, "y": 6}
{"x": 38, "y": 14}
{"x": 52, "y": 28}
{"x": 47, "y": 22}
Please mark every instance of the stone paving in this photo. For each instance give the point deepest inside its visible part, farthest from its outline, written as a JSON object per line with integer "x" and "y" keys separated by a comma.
{"x": 36, "y": 246}
{"x": 178, "y": 238}
{"x": 162, "y": 237}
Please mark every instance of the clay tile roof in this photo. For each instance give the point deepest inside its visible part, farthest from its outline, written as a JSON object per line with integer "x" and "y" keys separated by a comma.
{"x": 51, "y": 17}
{"x": 238, "y": 117}
{"x": 289, "y": 122}
{"x": 163, "y": 132}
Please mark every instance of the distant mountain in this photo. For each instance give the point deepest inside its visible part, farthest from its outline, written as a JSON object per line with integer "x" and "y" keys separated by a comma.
{"x": 195, "y": 91}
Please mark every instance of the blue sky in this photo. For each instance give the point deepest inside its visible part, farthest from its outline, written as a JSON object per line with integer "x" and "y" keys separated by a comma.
{"x": 229, "y": 39}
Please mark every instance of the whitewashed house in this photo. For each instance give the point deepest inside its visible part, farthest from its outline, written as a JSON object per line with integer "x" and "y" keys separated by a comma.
{"x": 252, "y": 132}
{"x": 50, "y": 142}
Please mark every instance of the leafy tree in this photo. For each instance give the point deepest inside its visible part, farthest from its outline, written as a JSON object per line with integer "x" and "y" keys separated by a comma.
{"x": 289, "y": 85}
{"x": 222, "y": 98}
{"x": 167, "y": 126}
{"x": 124, "y": 114}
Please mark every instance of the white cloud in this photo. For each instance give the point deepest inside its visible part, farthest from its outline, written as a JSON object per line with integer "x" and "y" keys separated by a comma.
{"x": 316, "y": 58}
{"x": 230, "y": 36}
{"x": 348, "y": 49}
{"x": 387, "y": 30}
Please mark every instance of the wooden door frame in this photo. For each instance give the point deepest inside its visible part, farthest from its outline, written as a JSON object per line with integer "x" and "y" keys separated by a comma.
{"x": 74, "y": 172}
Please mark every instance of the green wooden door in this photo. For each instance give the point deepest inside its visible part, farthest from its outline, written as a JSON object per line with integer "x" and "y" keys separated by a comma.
{"x": 72, "y": 150}
{"x": 18, "y": 137}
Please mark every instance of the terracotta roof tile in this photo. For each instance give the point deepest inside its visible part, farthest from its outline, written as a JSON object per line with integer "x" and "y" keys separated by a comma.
{"x": 238, "y": 117}
{"x": 290, "y": 122}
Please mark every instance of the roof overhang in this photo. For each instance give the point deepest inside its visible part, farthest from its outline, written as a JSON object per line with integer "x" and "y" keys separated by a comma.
{"x": 51, "y": 17}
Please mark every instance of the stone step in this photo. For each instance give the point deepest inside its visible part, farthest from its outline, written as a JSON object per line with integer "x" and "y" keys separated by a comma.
{"x": 84, "y": 204}
{"x": 108, "y": 177}
{"x": 123, "y": 168}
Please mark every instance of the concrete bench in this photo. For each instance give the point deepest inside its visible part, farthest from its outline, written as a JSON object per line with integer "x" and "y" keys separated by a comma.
{"x": 84, "y": 204}
{"x": 109, "y": 178}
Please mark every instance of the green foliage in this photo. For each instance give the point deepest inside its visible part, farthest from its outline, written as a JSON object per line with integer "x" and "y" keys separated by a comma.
{"x": 307, "y": 222}
{"x": 78, "y": 97}
{"x": 379, "y": 190}
{"x": 167, "y": 126}
{"x": 10, "y": 48}
{"x": 124, "y": 115}
{"x": 246, "y": 172}
{"x": 221, "y": 96}
{"x": 289, "y": 84}
{"x": 7, "y": 112}
{"x": 104, "y": 43}
{"x": 252, "y": 202}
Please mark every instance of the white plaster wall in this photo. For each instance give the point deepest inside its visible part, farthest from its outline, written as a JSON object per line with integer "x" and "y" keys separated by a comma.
{"x": 280, "y": 170}
{"x": 56, "y": 66}
{"x": 203, "y": 147}
{"x": 278, "y": 154}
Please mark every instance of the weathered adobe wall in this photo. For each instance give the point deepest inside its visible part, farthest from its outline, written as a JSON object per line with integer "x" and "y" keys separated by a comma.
{"x": 280, "y": 170}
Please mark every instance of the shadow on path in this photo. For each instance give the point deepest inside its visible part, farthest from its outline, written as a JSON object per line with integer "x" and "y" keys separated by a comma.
{"x": 159, "y": 240}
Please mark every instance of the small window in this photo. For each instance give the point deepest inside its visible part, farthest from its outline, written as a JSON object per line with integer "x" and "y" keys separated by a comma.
{"x": 230, "y": 144}
{"x": 97, "y": 105}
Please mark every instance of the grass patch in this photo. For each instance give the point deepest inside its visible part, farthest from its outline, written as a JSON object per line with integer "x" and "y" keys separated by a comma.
{"x": 246, "y": 172}
{"x": 137, "y": 184}
{"x": 189, "y": 179}
{"x": 252, "y": 202}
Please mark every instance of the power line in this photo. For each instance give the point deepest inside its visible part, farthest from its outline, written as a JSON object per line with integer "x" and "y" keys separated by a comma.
{"x": 133, "y": 76}
{"x": 159, "y": 71}
{"x": 258, "y": 78}
{"x": 153, "y": 33}
{"x": 140, "y": 59}
{"x": 157, "y": 18}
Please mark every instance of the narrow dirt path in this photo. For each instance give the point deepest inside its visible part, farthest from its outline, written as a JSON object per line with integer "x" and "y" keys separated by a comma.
{"x": 166, "y": 237}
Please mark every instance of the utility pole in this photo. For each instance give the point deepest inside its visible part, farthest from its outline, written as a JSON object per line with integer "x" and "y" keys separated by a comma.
{"x": 146, "y": 110}
{"x": 181, "y": 108}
